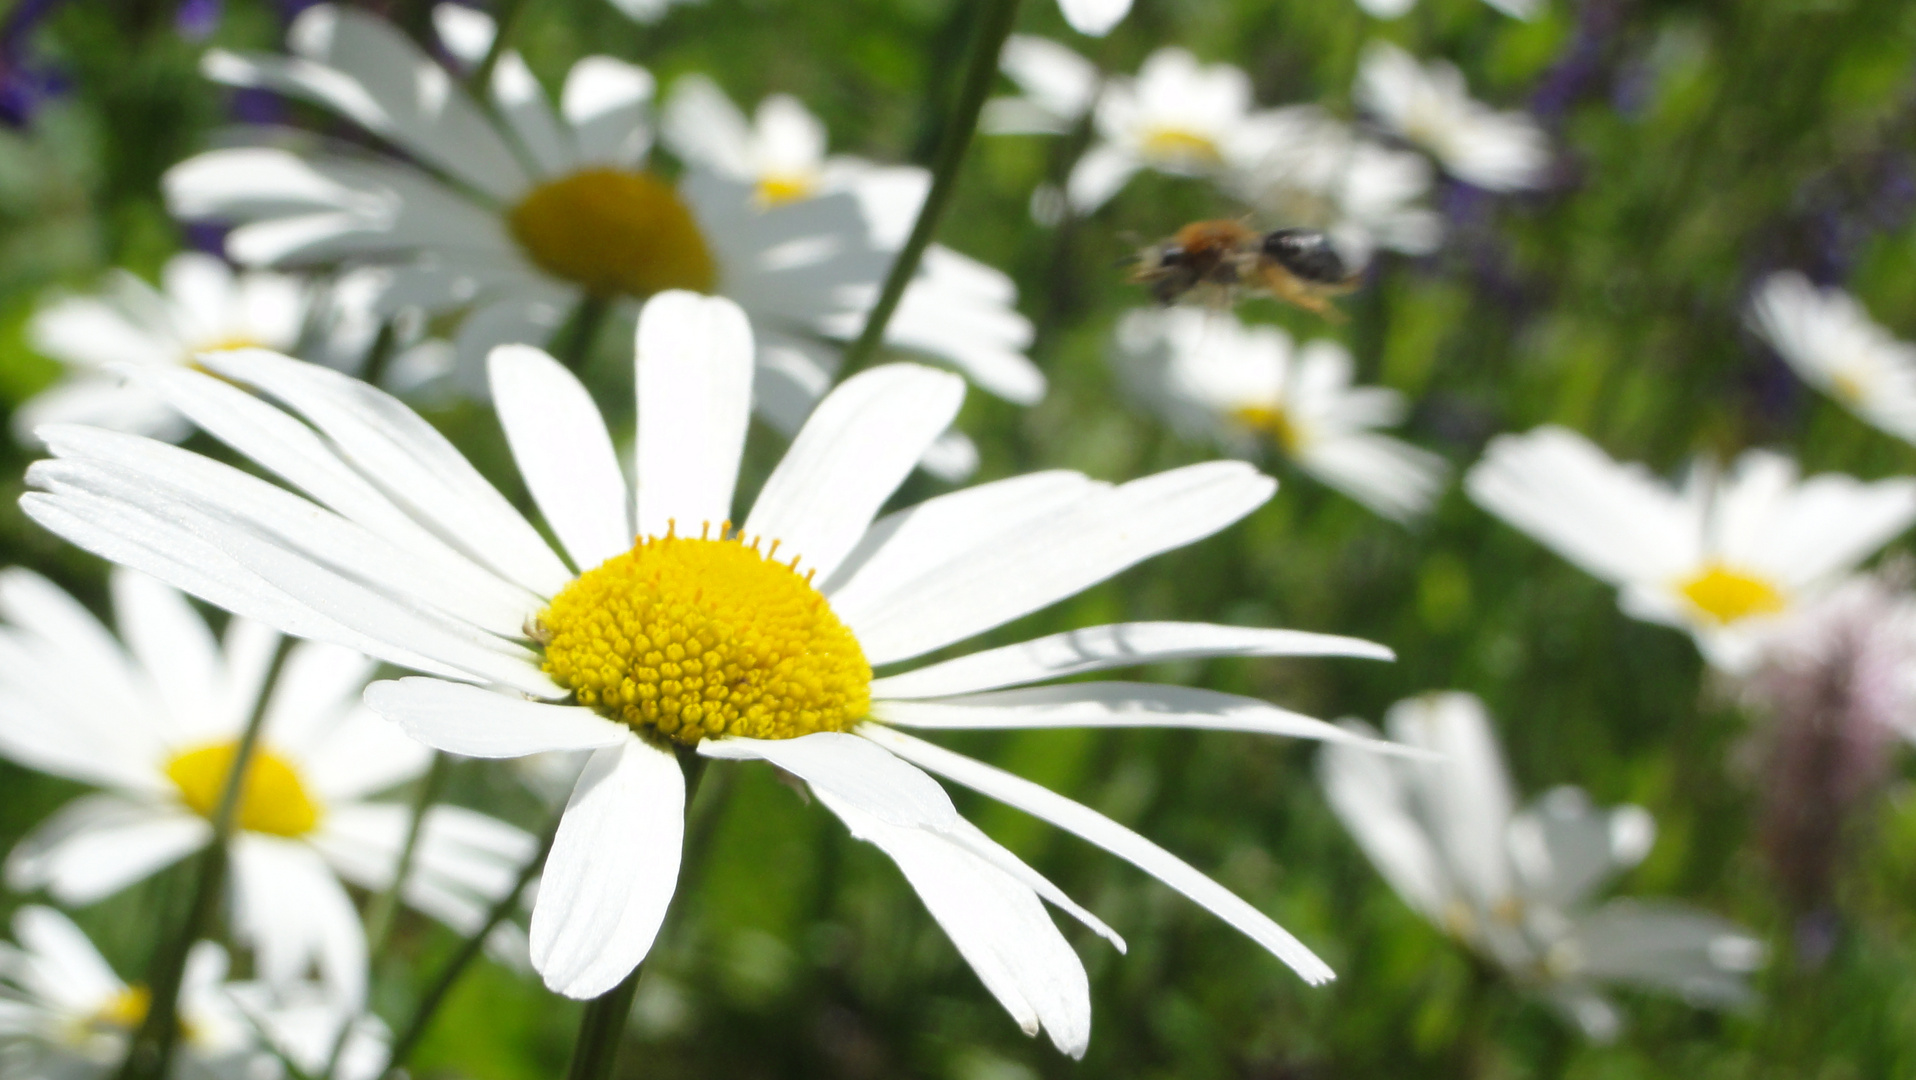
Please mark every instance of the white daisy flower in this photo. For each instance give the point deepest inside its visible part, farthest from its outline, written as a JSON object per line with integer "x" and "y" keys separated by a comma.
{"x": 515, "y": 221}
{"x": 1726, "y": 556}
{"x": 1430, "y": 107}
{"x": 1176, "y": 116}
{"x": 1302, "y": 166}
{"x": 1059, "y": 88}
{"x": 963, "y": 309}
{"x": 1249, "y": 387}
{"x": 65, "y": 1015}
{"x": 303, "y": 1024}
{"x": 734, "y": 644}
{"x": 157, "y": 730}
{"x": 648, "y": 11}
{"x": 1391, "y": 9}
{"x": 1518, "y": 887}
{"x": 1094, "y": 17}
{"x": 1827, "y": 337}
{"x": 201, "y": 306}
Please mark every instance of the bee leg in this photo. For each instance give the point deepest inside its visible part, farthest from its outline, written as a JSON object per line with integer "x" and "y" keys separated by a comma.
{"x": 1286, "y": 287}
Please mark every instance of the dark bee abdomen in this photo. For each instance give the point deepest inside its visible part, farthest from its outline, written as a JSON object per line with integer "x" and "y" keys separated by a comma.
{"x": 1307, "y": 253}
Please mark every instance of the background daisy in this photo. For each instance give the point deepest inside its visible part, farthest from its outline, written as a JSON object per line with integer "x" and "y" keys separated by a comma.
{"x": 1429, "y": 106}
{"x": 1831, "y": 342}
{"x": 1248, "y": 388}
{"x": 156, "y": 730}
{"x": 1519, "y": 886}
{"x": 1725, "y": 556}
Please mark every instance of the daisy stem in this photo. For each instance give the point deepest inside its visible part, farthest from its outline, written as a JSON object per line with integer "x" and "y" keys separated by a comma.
{"x": 602, "y": 1028}
{"x": 442, "y": 984}
{"x": 995, "y": 19}
{"x": 482, "y": 75}
{"x": 149, "y": 1055}
{"x": 380, "y": 917}
{"x": 573, "y": 343}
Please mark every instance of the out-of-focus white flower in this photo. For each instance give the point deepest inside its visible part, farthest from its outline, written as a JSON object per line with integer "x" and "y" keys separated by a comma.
{"x": 201, "y": 306}
{"x": 1726, "y": 556}
{"x": 1059, "y": 87}
{"x": 1430, "y": 107}
{"x": 1827, "y": 337}
{"x": 1176, "y": 116}
{"x": 65, "y": 1015}
{"x": 691, "y": 639}
{"x": 1518, "y": 887}
{"x": 1094, "y": 17}
{"x": 1248, "y": 387}
{"x": 303, "y": 1024}
{"x": 513, "y": 217}
{"x": 648, "y": 11}
{"x": 1391, "y": 9}
{"x": 1301, "y": 166}
{"x": 156, "y": 721}
{"x": 961, "y": 308}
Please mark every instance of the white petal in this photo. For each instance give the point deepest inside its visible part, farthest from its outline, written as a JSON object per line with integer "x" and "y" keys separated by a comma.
{"x": 1093, "y": 17}
{"x": 612, "y": 871}
{"x": 606, "y": 102}
{"x": 292, "y": 910}
{"x": 997, "y": 923}
{"x": 1097, "y": 648}
{"x": 476, "y": 722}
{"x": 1115, "y": 704}
{"x": 1100, "y": 174}
{"x": 62, "y": 962}
{"x": 858, "y": 446}
{"x": 857, "y": 772}
{"x": 1373, "y": 796}
{"x": 97, "y": 845}
{"x": 694, "y": 376}
{"x": 298, "y": 455}
{"x": 1466, "y": 793}
{"x": 562, "y": 449}
{"x": 386, "y": 439}
{"x": 1671, "y": 947}
{"x": 1111, "y": 836}
{"x": 174, "y": 647}
{"x": 1101, "y": 534}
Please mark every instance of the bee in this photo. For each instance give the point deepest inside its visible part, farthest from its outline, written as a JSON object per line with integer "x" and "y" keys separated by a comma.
{"x": 1224, "y": 258}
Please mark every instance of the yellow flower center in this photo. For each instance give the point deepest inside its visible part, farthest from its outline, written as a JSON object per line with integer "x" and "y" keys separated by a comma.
{"x": 272, "y": 797}
{"x": 694, "y": 639}
{"x": 126, "y": 1009}
{"x": 1725, "y": 596}
{"x": 1847, "y": 388}
{"x": 1179, "y": 146}
{"x": 614, "y": 233}
{"x": 777, "y": 189}
{"x": 1273, "y": 421}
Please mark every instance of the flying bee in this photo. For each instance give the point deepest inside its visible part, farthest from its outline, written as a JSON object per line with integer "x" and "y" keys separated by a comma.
{"x": 1226, "y": 258}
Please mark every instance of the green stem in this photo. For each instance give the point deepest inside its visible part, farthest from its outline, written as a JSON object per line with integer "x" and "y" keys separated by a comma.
{"x": 573, "y": 343}
{"x": 994, "y": 21}
{"x": 602, "y": 1028}
{"x": 381, "y": 916}
{"x": 442, "y": 984}
{"x": 482, "y": 75}
{"x": 149, "y": 1056}
{"x": 379, "y": 354}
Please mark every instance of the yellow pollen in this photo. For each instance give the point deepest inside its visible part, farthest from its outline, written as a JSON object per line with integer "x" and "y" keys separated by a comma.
{"x": 697, "y": 638}
{"x": 1847, "y": 388}
{"x": 614, "y": 233}
{"x": 1180, "y": 146}
{"x": 126, "y": 1009}
{"x": 1725, "y": 596}
{"x": 1273, "y": 421}
{"x": 777, "y": 189}
{"x": 272, "y": 799}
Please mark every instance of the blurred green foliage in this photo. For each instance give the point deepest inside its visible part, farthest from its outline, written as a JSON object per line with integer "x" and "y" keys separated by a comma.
{"x": 1701, "y": 144}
